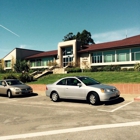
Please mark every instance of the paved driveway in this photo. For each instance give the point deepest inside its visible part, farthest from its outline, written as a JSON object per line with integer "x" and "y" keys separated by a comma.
{"x": 37, "y": 117}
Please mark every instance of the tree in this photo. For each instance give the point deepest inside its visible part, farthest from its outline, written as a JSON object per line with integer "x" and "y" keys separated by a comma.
{"x": 84, "y": 37}
{"x": 69, "y": 36}
{"x": 21, "y": 66}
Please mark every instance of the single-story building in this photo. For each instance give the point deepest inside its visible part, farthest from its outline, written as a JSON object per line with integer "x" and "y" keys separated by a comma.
{"x": 125, "y": 53}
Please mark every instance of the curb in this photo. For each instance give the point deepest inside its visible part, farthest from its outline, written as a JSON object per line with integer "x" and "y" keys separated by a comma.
{"x": 137, "y": 99}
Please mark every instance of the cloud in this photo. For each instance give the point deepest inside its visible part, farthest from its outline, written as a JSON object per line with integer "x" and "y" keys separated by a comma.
{"x": 22, "y": 46}
{"x": 9, "y": 30}
{"x": 115, "y": 35}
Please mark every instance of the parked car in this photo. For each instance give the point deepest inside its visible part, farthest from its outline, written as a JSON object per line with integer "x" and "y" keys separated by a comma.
{"x": 81, "y": 88}
{"x": 12, "y": 87}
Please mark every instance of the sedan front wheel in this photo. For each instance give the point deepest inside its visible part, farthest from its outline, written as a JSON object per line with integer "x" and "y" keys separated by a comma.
{"x": 93, "y": 98}
{"x": 9, "y": 93}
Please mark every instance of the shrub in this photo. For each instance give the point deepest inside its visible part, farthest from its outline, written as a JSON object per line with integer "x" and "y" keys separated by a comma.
{"x": 124, "y": 69}
{"x": 115, "y": 68}
{"x": 137, "y": 67}
{"x": 107, "y": 68}
{"x": 130, "y": 69}
{"x": 93, "y": 69}
{"x": 26, "y": 77}
{"x": 87, "y": 70}
{"x": 10, "y": 76}
{"x": 75, "y": 69}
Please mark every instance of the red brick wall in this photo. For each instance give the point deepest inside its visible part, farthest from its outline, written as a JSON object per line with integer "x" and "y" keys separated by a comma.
{"x": 124, "y": 88}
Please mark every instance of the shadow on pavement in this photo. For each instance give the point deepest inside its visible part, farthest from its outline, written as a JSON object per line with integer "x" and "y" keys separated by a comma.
{"x": 21, "y": 96}
{"x": 117, "y": 101}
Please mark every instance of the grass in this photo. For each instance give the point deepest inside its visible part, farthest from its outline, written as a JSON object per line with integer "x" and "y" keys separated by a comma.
{"x": 103, "y": 77}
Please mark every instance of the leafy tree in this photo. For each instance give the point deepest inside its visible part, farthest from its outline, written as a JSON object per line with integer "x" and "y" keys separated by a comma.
{"x": 69, "y": 36}
{"x": 84, "y": 37}
{"x": 21, "y": 66}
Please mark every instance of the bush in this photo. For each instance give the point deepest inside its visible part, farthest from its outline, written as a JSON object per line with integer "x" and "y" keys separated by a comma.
{"x": 87, "y": 70}
{"x": 137, "y": 67}
{"x": 124, "y": 69}
{"x": 130, "y": 69}
{"x": 115, "y": 68}
{"x": 10, "y": 76}
{"x": 107, "y": 68}
{"x": 76, "y": 69}
{"x": 26, "y": 77}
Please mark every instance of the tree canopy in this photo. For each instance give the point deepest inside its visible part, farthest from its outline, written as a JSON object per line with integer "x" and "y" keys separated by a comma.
{"x": 84, "y": 37}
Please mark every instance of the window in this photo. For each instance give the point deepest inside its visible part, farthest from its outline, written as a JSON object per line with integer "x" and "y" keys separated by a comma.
{"x": 8, "y": 63}
{"x": 123, "y": 55}
{"x": 135, "y": 54}
{"x": 62, "y": 82}
{"x": 97, "y": 57}
{"x": 72, "y": 82}
{"x": 109, "y": 56}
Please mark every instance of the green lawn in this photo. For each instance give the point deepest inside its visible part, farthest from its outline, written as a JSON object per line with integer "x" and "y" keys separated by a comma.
{"x": 103, "y": 77}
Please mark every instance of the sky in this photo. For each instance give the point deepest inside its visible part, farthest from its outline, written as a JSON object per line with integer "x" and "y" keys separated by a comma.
{"x": 42, "y": 24}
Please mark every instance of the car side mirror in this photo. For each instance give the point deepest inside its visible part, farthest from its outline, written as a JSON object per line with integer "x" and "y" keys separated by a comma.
{"x": 4, "y": 84}
{"x": 79, "y": 84}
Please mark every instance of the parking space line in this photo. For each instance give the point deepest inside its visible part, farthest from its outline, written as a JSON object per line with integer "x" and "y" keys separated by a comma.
{"x": 122, "y": 106}
{"x": 117, "y": 107}
{"x": 69, "y": 130}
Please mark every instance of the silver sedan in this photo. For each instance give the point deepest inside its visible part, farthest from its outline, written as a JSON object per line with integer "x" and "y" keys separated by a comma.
{"x": 81, "y": 88}
{"x": 12, "y": 87}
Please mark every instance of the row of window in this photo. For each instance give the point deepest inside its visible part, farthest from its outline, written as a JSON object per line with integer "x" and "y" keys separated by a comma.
{"x": 116, "y": 56}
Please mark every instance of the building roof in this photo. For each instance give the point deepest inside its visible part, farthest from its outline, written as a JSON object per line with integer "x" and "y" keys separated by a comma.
{"x": 43, "y": 54}
{"x": 131, "y": 41}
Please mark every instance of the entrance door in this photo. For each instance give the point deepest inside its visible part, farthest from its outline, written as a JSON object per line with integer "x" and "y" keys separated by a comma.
{"x": 67, "y": 60}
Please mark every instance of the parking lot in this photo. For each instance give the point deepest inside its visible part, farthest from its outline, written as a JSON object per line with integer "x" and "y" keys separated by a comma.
{"x": 37, "y": 117}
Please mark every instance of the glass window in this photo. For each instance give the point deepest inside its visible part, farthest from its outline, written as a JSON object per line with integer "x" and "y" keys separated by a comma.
{"x": 123, "y": 55}
{"x": 67, "y": 50}
{"x": 8, "y": 63}
{"x": 135, "y": 54}
{"x": 97, "y": 57}
{"x": 72, "y": 82}
{"x": 62, "y": 82}
{"x": 109, "y": 56}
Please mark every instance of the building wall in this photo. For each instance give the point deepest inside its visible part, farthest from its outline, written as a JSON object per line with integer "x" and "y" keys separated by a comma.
{"x": 65, "y": 44}
{"x": 126, "y": 57}
{"x": 17, "y": 54}
{"x": 85, "y": 61}
{"x": 22, "y": 53}
{"x": 9, "y": 60}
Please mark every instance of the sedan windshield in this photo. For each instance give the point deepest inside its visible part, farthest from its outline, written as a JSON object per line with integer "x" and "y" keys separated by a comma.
{"x": 14, "y": 82}
{"x": 88, "y": 81}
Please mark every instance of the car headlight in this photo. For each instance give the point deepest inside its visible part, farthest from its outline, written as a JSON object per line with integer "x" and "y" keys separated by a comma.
{"x": 17, "y": 89}
{"x": 105, "y": 90}
{"x": 108, "y": 90}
